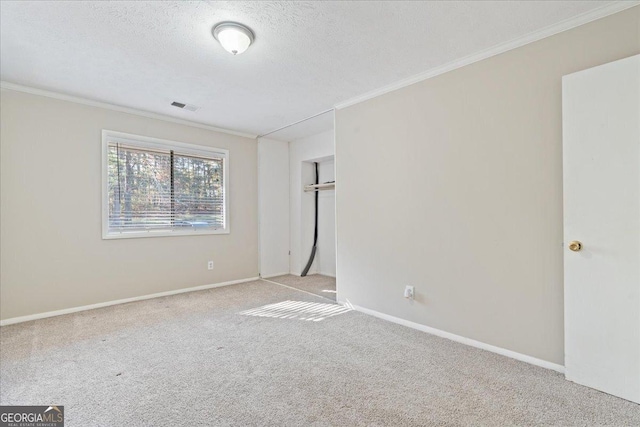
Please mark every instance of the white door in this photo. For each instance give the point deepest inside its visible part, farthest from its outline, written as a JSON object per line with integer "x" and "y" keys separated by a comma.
{"x": 601, "y": 144}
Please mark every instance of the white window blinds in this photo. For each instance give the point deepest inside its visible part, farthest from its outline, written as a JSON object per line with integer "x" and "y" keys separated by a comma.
{"x": 155, "y": 188}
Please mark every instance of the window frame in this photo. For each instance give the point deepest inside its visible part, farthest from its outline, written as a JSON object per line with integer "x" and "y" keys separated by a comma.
{"x": 163, "y": 144}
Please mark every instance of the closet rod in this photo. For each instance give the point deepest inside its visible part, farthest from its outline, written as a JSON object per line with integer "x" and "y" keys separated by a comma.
{"x": 318, "y": 187}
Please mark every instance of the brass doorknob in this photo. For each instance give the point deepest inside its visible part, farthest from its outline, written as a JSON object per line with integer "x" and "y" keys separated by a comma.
{"x": 575, "y": 246}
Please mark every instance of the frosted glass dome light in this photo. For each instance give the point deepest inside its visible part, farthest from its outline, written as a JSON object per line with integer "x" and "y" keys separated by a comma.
{"x": 235, "y": 38}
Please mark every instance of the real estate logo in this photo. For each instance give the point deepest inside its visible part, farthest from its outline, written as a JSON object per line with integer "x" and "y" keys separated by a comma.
{"x": 32, "y": 416}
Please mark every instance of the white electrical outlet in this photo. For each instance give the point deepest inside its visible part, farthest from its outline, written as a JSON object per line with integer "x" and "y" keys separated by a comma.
{"x": 409, "y": 292}
{"x": 210, "y": 265}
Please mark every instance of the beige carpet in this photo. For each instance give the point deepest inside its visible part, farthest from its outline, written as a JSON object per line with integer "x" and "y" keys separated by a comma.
{"x": 260, "y": 354}
{"x": 317, "y": 284}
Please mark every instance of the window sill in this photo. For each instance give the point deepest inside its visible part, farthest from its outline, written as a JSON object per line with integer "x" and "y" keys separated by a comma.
{"x": 162, "y": 233}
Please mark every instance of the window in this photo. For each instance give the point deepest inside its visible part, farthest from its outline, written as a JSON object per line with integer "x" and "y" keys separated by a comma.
{"x": 153, "y": 187}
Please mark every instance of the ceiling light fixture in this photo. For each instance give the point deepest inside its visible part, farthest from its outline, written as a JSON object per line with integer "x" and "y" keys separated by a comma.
{"x": 235, "y": 38}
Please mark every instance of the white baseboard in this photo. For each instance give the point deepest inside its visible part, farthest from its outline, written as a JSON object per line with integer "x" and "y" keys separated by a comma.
{"x": 314, "y": 273}
{"x": 269, "y": 276}
{"x": 30, "y": 317}
{"x": 458, "y": 338}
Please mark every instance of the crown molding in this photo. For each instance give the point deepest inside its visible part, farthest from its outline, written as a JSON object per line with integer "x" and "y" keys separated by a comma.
{"x": 4, "y": 85}
{"x": 585, "y": 18}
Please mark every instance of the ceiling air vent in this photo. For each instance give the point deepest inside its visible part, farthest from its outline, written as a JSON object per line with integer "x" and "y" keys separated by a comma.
{"x": 183, "y": 106}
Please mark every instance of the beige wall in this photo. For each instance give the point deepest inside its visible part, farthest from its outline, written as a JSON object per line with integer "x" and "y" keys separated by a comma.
{"x": 53, "y": 256}
{"x": 454, "y": 185}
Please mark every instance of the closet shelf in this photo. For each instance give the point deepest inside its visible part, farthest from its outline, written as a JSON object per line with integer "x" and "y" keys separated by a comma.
{"x": 319, "y": 187}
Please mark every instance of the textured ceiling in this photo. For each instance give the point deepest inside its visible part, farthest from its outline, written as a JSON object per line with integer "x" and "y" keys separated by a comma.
{"x": 307, "y": 56}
